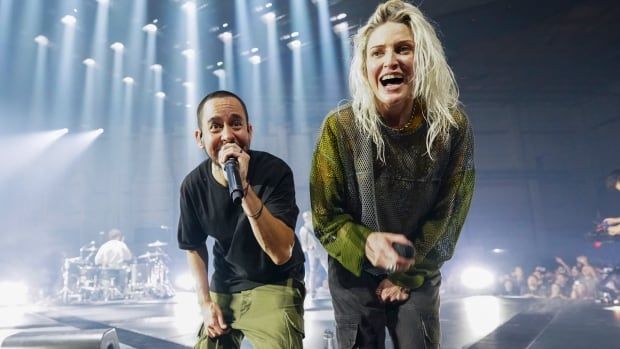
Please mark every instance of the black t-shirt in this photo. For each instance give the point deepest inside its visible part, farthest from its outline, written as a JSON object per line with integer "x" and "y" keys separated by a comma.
{"x": 207, "y": 210}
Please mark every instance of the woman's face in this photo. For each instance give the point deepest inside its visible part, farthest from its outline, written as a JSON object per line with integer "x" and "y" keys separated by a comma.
{"x": 389, "y": 63}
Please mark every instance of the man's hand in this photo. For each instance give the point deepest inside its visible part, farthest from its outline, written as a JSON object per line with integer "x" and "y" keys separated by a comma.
{"x": 232, "y": 150}
{"x": 381, "y": 254}
{"x": 389, "y": 293}
{"x": 214, "y": 320}
{"x": 613, "y": 225}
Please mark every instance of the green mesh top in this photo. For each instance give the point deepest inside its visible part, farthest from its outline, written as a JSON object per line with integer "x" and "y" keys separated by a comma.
{"x": 353, "y": 194}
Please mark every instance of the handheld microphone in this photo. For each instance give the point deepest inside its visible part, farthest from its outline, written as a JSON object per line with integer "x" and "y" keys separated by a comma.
{"x": 231, "y": 166}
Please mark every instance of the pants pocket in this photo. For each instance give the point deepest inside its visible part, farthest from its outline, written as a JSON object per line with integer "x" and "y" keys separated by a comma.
{"x": 346, "y": 334}
{"x": 432, "y": 332}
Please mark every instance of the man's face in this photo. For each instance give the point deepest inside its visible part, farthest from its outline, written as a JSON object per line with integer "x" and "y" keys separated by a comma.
{"x": 223, "y": 122}
{"x": 617, "y": 185}
{"x": 389, "y": 63}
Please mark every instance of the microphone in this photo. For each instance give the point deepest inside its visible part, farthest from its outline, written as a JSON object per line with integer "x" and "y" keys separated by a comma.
{"x": 231, "y": 166}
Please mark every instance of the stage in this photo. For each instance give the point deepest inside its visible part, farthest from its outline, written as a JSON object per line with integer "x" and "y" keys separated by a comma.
{"x": 476, "y": 322}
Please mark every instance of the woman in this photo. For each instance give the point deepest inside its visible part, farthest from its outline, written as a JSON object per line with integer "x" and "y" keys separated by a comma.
{"x": 393, "y": 166}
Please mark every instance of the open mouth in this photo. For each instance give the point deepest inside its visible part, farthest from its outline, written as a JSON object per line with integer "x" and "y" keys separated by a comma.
{"x": 391, "y": 80}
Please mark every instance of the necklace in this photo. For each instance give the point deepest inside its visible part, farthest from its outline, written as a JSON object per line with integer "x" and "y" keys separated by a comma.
{"x": 409, "y": 123}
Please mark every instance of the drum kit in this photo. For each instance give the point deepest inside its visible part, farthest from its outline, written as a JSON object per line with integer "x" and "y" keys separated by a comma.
{"x": 145, "y": 278}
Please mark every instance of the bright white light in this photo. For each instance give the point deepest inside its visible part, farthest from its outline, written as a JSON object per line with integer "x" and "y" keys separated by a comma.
{"x": 156, "y": 67}
{"x": 498, "y": 250}
{"x": 150, "y": 28}
{"x": 255, "y": 59}
{"x": 13, "y": 293}
{"x": 68, "y": 20}
{"x": 185, "y": 282}
{"x": 99, "y": 131}
{"x": 41, "y": 40}
{"x": 187, "y": 84}
{"x": 225, "y": 36}
{"x": 160, "y": 95}
{"x": 117, "y": 46}
{"x": 128, "y": 80}
{"x": 220, "y": 73}
{"x": 294, "y": 44}
{"x": 89, "y": 62}
{"x": 477, "y": 278}
{"x": 341, "y": 27}
{"x": 220, "y": 63}
{"x": 294, "y": 34}
{"x": 103, "y": 2}
{"x": 341, "y": 16}
{"x": 225, "y": 25}
{"x": 64, "y": 131}
{"x": 189, "y": 7}
{"x": 268, "y": 5}
{"x": 268, "y": 17}
{"x": 482, "y": 314}
{"x": 254, "y": 50}
{"x": 189, "y": 53}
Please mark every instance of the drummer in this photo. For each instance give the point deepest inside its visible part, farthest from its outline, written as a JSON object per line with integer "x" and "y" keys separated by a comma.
{"x": 114, "y": 253}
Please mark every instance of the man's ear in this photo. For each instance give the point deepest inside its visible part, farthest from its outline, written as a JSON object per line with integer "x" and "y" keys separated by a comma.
{"x": 198, "y": 138}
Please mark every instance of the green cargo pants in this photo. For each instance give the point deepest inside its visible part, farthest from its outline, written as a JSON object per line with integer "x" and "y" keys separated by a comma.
{"x": 271, "y": 316}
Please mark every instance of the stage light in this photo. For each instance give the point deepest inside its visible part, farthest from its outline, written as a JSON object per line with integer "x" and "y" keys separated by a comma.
{"x": 117, "y": 47}
{"x": 188, "y": 6}
{"x": 268, "y": 17}
{"x": 294, "y": 34}
{"x": 68, "y": 20}
{"x": 189, "y": 53}
{"x": 150, "y": 28}
{"x": 476, "y": 278}
{"x": 99, "y": 131}
{"x": 294, "y": 44}
{"x": 185, "y": 282}
{"x": 255, "y": 59}
{"x": 254, "y": 50}
{"x": 220, "y": 73}
{"x": 341, "y": 27}
{"x": 220, "y": 63}
{"x": 268, "y": 5}
{"x": 160, "y": 95}
{"x": 103, "y": 2}
{"x": 498, "y": 250}
{"x": 225, "y": 37}
{"x": 89, "y": 62}
{"x": 225, "y": 25}
{"x": 156, "y": 67}
{"x": 64, "y": 131}
{"x": 13, "y": 293}
{"x": 128, "y": 80}
{"x": 41, "y": 40}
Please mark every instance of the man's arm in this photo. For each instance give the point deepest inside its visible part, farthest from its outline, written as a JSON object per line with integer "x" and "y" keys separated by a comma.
{"x": 273, "y": 235}
{"x": 198, "y": 261}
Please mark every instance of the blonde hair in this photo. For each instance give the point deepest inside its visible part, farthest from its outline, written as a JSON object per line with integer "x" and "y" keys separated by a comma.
{"x": 434, "y": 83}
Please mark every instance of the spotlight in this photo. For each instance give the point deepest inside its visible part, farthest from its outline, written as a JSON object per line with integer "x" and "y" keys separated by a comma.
{"x": 13, "y": 293}
{"x": 150, "y": 28}
{"x": 225, "y": 25}
{"x": 41, "y": 40}
{"x": 99, "y": 131}
{"x": 89, "y": 62}
{"x": 268, "y": 17}
{"x": 255, "y": 59}
{"x": 188, "y": 6}
{"x": 254, "y": 50}
{"x": 68, "y": 20}
{"x": 187, "y": 84}
{"x": 294, "y": 34}
{"x": 220, "y": 73}
{"x": 128, "y": 80}
{"x": 295, "y": 44}
{"x": 268, "y": 5}
{"x": 156, "y": 68}
{"x": 64, "y": 131}
{"x": 341, "y": 27}
{"x": 103, "y": 2}
{"x": 477, "y": 278}
{"x": 498, "y": 250}
{"x": 160, "y": 95}
{"x": 189, "y": 53}
{"x": 117, "y": 46}
{"x": 225, "y": 37}
{"x": 220, "y": 63}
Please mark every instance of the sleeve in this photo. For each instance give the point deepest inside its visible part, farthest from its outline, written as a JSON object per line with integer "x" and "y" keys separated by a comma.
{"x": 281, "y": 201}
{"x": 342, "y": 237}
{"x": 190, "y": 234}
{"x": 442, "y": 227}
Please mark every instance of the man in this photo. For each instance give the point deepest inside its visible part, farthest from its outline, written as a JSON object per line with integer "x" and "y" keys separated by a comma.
{"x": 257, "y": 286}
{"x": 612, "y": 224}
{"x": 114, "y": 253}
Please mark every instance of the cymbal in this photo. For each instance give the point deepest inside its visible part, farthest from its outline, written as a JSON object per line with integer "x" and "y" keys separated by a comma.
{"x": 151, "y": 255}
{"x": 157, "y": 243}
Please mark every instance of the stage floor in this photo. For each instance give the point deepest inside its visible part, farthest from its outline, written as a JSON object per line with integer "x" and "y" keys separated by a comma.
{"x": 477, "y": 322}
